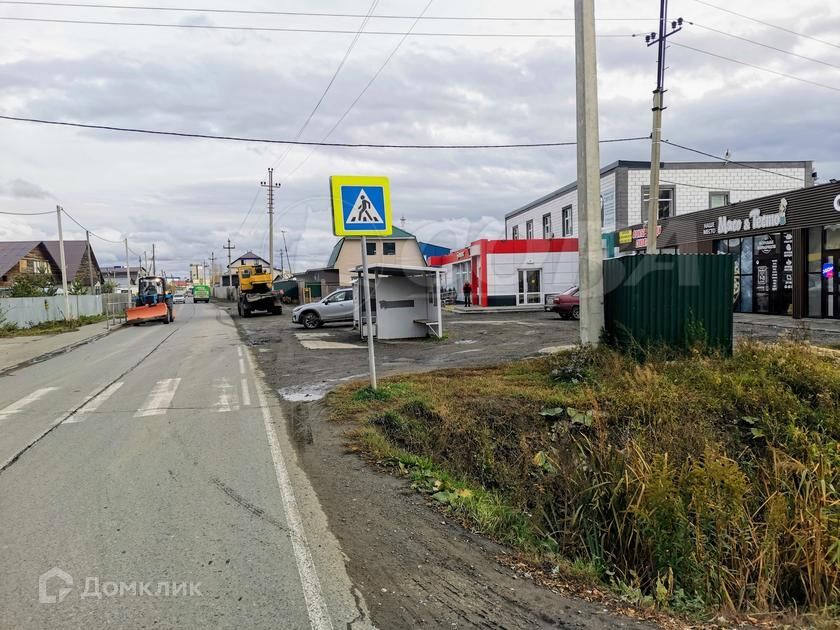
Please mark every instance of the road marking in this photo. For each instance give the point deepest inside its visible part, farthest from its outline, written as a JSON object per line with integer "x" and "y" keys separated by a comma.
{"x": 227, "y": 396}
{"x": 246, "y": 394}
{"x": 159, "y": 399}
{"x": 319, "y": 617}
{"x": 239, "y": 351}
{"x": 241, "y": 366}
{"x": 18, "y": 405}
{"x": 93, "y": 403}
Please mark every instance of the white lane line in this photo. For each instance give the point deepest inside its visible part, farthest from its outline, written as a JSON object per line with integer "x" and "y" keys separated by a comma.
{"x": 246, "y": 393}
{"x": 242, "y": 366}
{"x": 18, "y": 405}
{"x": 239, "y": 351}
{"x": 159, "y": 399}
{"x": 227, "y": 396}
{"x": 93, "y": 403}
{"x": 319, "y": 617}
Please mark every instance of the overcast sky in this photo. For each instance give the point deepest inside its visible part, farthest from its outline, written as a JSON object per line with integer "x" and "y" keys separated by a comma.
{"x": 189, "y": 196}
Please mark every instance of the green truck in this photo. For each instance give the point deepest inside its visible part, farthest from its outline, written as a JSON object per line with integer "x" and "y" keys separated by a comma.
{"x": 201, "y": 293}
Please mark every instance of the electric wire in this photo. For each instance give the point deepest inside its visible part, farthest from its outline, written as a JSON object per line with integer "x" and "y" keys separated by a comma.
{"x": 280, "y": 29}
{"x": 723, "y": 159}
{"x": 757, "y": 67}
{"x": 355, "y": 145}
{"x": 771, "y": 25}
{"x": 364, "y": 89}
{"x": 26, "y": 214}
{"x": 91, "y": 232}
{"x": 469, "y": 18}
{"x": 762, "y": 44}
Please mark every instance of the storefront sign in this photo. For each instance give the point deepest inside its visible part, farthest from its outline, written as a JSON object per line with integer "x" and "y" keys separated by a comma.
{"x": 755, "y": 220}
{"x": 837, "y": 203}
{"x": 828, "y": 270}
{"x": 625, "y": 237}
{"x": 709, "y": 228}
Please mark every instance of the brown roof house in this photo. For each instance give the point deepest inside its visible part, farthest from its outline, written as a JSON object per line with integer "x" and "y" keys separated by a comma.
{"x": 43, "y": 257}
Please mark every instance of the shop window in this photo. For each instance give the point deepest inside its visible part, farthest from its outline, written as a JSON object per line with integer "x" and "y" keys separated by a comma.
{"x": 832, "y": 237}
{"x": 529, "y": 229}
{"x": 567, "y": 220}
{"x": 814, "y": 295}
{"x": 747, "y": 255}
{"x": 514, "y": 233}
{"x": 371, "y": 249}
{"x": 814, "y": 250}
{"x": 718, "y": 199}
{"x": 389, "y": 248}
{"x": 547, "y": 226}
{"x": 667, "y": 201}
{"x": 746, "y": 298}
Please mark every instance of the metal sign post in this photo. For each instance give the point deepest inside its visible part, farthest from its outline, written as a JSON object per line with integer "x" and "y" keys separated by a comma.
{"x": 368, "y": 315}
{"x": 362, "y": 207}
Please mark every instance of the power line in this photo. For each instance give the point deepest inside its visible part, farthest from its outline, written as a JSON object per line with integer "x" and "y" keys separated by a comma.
{"x": 762, "y": 68}
{"x": 776, "y": 26}
{"x": 763, "y": 45}
{"x": 311, "y": 14}
{"x": 279, "y": 29}
{"x": 723, "y": 159}
{"x": 352, "y": 45}
{"x": 92, "y": 233}
{"x": 26, "y": 214}
{"x": 723, "y": 188}
{"x": 357, "y": 145}
{"x": 364, "y": 89}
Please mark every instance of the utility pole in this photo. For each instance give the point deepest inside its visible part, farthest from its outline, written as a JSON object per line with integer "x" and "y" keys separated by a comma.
{"x": 154, "y": 266}
{"x": 590, "y": 259}
{"x": 660, "y": 40}
{"x": 286, "y": 249}
{"x": 128, "y": 269}
{"x": 145, "y": 262}
{"x": 58, "y": 211}
{"x": 271, "y": 186}
{"x": 90, "y": 261}
{"x": 229, "y": 247}
{"x": 212, "y": 266}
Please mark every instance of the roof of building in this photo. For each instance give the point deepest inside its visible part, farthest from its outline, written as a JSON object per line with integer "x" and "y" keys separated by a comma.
{"x": 673, "y": 166}
{"x": 396, "y": 234}
{"x": 74, "y": 253}
{"x": 12, "y": 251}
{"x": 428, "y": 249}
{"x": 250, "y": 255}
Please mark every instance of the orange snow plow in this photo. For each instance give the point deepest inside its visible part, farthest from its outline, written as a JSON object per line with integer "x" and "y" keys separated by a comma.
{"x": 153, "y": 303}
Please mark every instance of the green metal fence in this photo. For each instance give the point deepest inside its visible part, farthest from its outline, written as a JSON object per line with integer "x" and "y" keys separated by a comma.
{"x": 669, "y": 299}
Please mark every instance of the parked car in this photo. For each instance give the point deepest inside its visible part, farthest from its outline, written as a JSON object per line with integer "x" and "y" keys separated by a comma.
{"x": 179, "y": 298}
{"x": 336, "y": 307}
{"x": 567, "y": 304}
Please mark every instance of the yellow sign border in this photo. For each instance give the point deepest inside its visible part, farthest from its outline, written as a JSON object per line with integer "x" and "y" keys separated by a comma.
{"x": 337, "y": 181}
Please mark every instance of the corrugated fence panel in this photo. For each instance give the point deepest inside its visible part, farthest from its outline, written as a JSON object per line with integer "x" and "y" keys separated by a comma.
{"x": 26, "y": 312}
{"x": 670, "y": 299}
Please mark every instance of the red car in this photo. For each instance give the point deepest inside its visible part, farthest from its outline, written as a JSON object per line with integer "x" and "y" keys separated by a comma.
{"x": 567, "y": 304}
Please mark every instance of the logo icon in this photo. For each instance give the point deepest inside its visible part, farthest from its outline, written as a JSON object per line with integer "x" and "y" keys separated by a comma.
{"x": 63, "y": 591}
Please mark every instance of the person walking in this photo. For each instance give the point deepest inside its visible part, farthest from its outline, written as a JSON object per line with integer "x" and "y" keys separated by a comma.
{"x": 467, "y": 293}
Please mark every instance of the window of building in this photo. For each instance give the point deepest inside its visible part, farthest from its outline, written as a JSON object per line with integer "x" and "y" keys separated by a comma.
{"x": 371, "y": 249}
{"x": 389, "y": 248}
{"x": 529, "y": 229}
{"x": 667, "y": 201}
{"x": 514, "y": 232}
{"x": 567, "y": 220}
{"x": 547, "y": 226}
{"x": 718, "y": 199}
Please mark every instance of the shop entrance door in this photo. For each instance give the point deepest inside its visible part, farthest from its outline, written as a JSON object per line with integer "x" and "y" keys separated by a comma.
{"x": 831, "y": 284}
{"x": 530, "y": 286}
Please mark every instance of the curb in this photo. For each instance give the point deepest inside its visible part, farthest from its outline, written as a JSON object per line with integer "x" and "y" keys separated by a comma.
{"x": 49, "y": 355}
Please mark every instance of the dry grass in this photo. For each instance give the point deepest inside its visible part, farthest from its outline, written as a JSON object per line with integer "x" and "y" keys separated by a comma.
{"x": 698, "y": 483}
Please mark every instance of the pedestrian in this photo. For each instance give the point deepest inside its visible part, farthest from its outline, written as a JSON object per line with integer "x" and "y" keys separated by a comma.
{"x": 467, "y": 293}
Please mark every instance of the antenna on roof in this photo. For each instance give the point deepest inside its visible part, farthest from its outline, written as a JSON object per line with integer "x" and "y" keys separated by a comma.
{"x": 402, "y": 222}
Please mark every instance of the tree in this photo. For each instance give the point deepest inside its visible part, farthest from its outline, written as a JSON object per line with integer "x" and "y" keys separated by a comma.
{"x": 109, "y": 286}
{"x": 33, "y": 285}
{"x": 77, "y": 288}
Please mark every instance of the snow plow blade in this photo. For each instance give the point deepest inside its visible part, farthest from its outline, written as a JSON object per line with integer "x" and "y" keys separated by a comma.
{"x": 151, "y": 313}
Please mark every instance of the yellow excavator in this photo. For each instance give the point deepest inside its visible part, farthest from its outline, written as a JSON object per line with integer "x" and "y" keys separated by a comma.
{"x": 256, "y": 291}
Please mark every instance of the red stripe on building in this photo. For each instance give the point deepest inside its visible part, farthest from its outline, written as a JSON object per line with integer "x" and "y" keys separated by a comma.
{"x": 532, "y": 246}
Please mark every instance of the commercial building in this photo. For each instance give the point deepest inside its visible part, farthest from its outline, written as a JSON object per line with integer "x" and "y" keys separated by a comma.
{"x": 686, "y": 187}
{"x": 786, "y": 248}
{"x": 511, "y": 272}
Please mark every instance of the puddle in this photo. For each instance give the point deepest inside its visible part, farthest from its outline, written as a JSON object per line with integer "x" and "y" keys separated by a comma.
{"x": 466, "y": 342}
{"x": 312, "y": 392}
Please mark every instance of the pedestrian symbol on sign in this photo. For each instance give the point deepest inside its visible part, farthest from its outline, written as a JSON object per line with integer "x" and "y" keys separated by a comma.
{"x": 364, "y": 211}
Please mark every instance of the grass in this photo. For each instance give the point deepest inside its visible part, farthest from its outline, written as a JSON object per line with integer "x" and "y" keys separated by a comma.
{"x": 49, "y": 328}
{"x": 699, "y": 483}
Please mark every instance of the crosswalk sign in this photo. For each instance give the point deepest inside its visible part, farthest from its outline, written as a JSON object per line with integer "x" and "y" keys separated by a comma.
{"x": 361, "y": 205}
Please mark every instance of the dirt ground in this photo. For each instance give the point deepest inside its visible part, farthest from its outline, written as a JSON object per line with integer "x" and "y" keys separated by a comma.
{"x": 413, "y": 566}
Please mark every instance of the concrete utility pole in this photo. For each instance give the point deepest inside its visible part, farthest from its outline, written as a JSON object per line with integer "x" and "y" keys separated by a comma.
{"x": 588, "y": 176}
{"x": 128, "y": 269}
{"x": 90, "y": 261}
{"x": 154, "y": 266}
{"x": 212, "y": 267}
{"x": 229, "y": 247}
{"x": 271, "y": 186}
{"x": 656, "y": 133}
{"x": 286, "y": 249}
{"x": 58, "y": 210}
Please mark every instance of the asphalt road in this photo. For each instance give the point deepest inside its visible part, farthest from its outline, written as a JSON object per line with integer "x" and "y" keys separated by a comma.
{"x": 150, "y": 472}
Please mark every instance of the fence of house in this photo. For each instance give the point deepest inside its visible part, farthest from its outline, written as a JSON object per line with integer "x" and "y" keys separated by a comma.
{"x": 26, "y": 312}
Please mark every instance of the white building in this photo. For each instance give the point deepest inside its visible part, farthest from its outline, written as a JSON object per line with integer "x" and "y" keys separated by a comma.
{"x": 684, "y": 187}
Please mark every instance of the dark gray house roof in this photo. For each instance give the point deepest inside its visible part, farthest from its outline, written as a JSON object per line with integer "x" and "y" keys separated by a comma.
{"x": 12, "y": 251}
{"x": 74, "y": 253}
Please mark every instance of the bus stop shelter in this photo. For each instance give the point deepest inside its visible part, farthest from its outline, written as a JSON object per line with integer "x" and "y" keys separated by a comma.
{"x": 405, "y": 301}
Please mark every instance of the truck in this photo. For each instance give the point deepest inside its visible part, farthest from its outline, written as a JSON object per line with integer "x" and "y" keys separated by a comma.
{"x": 201, "y": 293}
{"x": 256, "y": 291}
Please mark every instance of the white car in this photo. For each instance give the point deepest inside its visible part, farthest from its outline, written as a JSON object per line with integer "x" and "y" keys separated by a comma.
{"x": 179, "y": 298}
{"x": 336, "y": 307}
